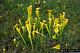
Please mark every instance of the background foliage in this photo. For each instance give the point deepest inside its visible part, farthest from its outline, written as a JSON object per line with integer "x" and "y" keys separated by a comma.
{"x": 12, "y": 10}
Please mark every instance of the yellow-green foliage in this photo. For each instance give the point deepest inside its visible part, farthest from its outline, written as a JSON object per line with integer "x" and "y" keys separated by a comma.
{"x": 35, "y": 26}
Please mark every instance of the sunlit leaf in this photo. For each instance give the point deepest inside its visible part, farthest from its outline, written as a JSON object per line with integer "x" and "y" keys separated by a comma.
{"x": 54, "y": 37}
{"x": 57, "y": 46}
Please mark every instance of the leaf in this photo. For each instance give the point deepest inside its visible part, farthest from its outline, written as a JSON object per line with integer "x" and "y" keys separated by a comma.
{"x": 56, "y": 20}
{"x": 54, "y": 37}
{"x": 57, "y": 46}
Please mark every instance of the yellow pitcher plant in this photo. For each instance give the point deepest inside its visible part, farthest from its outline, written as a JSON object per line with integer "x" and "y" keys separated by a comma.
{"x": 36, "y": 27}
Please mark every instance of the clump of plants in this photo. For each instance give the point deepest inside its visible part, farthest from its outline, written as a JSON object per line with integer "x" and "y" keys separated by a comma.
{"x": 41, "y": 35}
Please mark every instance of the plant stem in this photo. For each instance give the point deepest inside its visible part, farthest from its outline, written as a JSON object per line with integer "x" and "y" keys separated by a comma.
{"x": 23, "y": 39}
{"x": 30, "y": 34}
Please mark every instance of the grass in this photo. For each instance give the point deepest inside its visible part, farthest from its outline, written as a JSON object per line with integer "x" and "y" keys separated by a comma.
{"x": 15, "y": 10}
